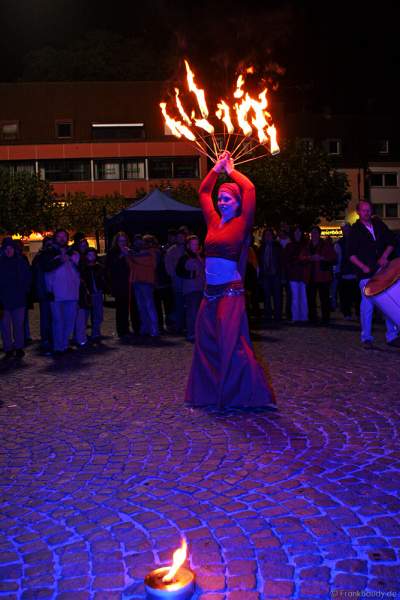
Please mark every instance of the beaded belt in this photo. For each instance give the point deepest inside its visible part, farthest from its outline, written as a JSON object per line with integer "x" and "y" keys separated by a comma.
{"x": 213, "y": 292}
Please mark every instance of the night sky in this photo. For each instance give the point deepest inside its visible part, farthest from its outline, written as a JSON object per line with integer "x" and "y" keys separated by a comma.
{"x": 340, "y": 54}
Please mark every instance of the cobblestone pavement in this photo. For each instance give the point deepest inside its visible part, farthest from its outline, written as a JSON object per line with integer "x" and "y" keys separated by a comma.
{"x": 104, "y": 469}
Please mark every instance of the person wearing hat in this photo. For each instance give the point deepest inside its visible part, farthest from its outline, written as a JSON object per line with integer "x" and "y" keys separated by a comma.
{"x": 224, "y": 369}
{"x": 15, "y": 281}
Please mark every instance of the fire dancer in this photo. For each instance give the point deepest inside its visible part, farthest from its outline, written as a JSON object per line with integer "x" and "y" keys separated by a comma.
{"x": 224, "y": 370}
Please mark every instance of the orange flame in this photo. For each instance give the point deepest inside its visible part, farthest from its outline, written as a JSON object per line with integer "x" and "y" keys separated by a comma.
{"x": 223, "y": 113}
{"x": 176, "y": 127}
{"x": 248, "y": 113}
{"x": 180, "y": 108}
{"x": 238, "y": 93}
{"x": 178, "y": 559}
{"x": 200, "y": 95}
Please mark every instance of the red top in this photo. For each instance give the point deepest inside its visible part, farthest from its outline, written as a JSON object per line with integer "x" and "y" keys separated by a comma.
{"x": 228, "y": 240}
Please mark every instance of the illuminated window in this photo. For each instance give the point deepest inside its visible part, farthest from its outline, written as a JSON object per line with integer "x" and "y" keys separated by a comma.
{"x": 10, "y": 131}
{"x": 133, "y": 169}
{"x": 109, "y": 169}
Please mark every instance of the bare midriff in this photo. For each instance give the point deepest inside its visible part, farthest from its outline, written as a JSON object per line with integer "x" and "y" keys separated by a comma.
{"x": 221, "y": 270}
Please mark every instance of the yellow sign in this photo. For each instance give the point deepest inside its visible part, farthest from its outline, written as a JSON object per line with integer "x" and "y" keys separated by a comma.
{"x": 333, "y": 231}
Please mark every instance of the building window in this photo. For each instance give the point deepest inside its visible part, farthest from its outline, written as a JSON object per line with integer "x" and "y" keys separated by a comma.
{"x": 378, "y": 210}
{"x": 64, "y": 129}
{"x": 186, "y": 167}
{"x": 10, "y": 131}
{"x": 65, "y": 170}
{"x": 133, "y": 169}
{"x": 383, "y": 146}
{"x": 107, "y": 169}
{"x": 391, "y": 211}
{"x": 160, "y": 168}
{"x": 20, "y": 166}
{"x": 118, "y": 131}
{"x": 307, "y": 144}
{"x": 334, "y": 147}
{"x": 180, "y": 167}
{"x": 383, "y": 179}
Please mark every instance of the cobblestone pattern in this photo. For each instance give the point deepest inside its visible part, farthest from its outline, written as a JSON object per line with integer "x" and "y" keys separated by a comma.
{"x": 104, "y": 468}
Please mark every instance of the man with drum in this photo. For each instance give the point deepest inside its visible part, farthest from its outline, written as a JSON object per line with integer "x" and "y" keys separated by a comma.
{"x": 370, "y": 245}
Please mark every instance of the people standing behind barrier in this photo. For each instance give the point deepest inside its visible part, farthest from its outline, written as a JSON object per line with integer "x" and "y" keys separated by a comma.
{"x": 172, "y": 256}
{"x": 190, "y": 268}
{"x": 270, "y": 263}
{"x": 298, "y": 273}
{"x": 143, "y": 261}
{"x": 370, "y": 245}
{"x": 349, "y": 291}
{"x": 41, "y": 295}
{"x": 93, "y": 283}
{"x": 15, "y": 282}
{"x": 63, "y": 282}
{"x": 321, "y": 257}
{"x": 118, "y": 275}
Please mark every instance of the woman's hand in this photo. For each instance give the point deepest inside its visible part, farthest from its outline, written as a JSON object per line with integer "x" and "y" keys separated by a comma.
{"x": 224, "y": 163}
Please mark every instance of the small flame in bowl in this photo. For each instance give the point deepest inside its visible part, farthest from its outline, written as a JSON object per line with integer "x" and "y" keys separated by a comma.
{"x": 178, "y": 559}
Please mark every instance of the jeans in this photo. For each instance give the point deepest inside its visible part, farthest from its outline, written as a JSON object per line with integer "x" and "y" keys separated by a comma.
{"x": 299, "y": 301}
{"x": 12, "y": 329}
{"x": 144, "y": 293}
{"x": 63, "y": 314}
{"x": 366, "y": 314}
{"x": 80, "y": 326}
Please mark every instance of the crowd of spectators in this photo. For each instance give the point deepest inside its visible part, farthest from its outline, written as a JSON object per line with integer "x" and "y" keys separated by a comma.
{"x": 157, "y": 289}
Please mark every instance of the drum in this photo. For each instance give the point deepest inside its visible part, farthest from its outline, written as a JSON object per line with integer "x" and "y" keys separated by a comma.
{"x": 384, "y": 290}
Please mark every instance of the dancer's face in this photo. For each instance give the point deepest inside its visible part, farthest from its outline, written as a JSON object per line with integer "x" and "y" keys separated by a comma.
{"x": 228, "y": 205}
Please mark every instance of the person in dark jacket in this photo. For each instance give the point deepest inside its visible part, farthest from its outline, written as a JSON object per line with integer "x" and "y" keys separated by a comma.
{"x": 370, "y": 245}
{"x": 270, "y": 274}
{"x": 15, "y": 281}
{"x": 190, "y": 268}
{"x": 41, "y": 295}
{"x": 320, "y": 256}
{"x": 93, "y": 277}
{"x": 118, "y": 275}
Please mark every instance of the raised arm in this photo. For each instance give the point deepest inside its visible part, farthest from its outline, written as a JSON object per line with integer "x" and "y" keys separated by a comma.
{"x": 248, "y": 195}
{"x": 205, "y": 195}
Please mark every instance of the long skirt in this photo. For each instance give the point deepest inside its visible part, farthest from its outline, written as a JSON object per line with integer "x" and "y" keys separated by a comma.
{"x": 224, "y": 369}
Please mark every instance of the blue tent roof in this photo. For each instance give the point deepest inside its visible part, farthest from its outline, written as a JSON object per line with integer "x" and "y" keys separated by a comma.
{"x": 158, "y": 201}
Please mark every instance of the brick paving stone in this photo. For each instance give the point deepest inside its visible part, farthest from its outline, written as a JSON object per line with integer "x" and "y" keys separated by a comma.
{"x": 103, "y": 469}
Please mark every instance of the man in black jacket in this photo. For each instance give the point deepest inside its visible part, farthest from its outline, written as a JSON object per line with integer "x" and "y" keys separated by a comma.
{"x": 370, "y": 245}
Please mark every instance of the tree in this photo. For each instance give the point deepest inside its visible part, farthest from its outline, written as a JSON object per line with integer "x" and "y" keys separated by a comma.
{"x": 183, "y": 192}
{"x": 80, "y": 212}
{"x": 27, "y": 203}
{"x": 297, "y": 186}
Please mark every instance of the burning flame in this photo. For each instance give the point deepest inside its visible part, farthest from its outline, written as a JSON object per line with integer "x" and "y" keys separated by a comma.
{"x": 178, "y": 559}
{"x": 250, "y": 114}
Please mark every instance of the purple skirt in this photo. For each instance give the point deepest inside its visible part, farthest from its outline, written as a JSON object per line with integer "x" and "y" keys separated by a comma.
{"x": 224, "y": 369}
